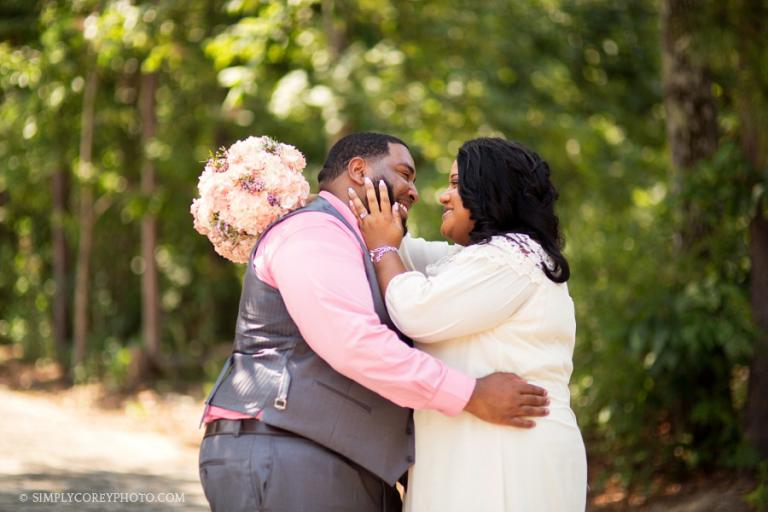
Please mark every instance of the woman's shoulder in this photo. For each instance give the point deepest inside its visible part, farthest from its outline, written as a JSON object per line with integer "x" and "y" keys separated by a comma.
{"x": 519, "y": 243}
{"x": 516, "y": 251}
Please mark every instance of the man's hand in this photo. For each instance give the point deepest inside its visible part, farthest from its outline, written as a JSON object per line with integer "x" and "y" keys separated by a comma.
{"x": 506, "y": 399}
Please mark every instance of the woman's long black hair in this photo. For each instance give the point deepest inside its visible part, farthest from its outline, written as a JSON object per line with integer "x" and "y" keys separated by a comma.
{"x": 506, "y": 188}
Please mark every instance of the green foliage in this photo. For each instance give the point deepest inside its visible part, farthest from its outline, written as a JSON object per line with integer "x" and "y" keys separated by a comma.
{"x": 664, "y": 334}
{"x": 758, "y": 498}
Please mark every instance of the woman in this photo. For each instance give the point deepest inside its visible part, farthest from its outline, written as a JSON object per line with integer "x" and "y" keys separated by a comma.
{"x": 497, "y": 301}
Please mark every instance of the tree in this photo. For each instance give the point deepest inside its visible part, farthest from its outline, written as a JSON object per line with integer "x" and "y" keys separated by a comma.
{"x": 732, "y": 39}
{"x": 149, "y": 284}
{"x": 61, "y": 257}
{"x": 751, "y": 98}
{"x": 691, "y": 118}
{"x": 86, "y": 221}
{"x": 692, "y": 135}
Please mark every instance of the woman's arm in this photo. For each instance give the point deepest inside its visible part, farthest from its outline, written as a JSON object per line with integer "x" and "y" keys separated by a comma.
{"x": 418, "y": 253}
{"x": 387, "y": 268}
{"x": 480, "y": 287}
{"x": 476, "y": 291}
{"x": 382, "y": 227}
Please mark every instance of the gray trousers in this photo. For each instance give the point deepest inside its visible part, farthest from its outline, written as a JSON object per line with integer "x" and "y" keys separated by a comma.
{"x": 278, "y": 473}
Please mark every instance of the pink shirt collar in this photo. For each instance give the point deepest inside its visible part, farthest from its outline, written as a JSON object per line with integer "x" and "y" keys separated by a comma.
{"x": 343, "y": 209}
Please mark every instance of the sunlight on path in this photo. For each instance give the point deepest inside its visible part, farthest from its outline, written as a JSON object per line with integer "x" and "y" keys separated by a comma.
{"x": 48, "y": 447}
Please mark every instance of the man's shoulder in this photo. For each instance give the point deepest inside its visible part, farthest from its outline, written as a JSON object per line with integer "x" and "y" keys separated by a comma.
{"x": 308, "y": 226}
{"x": 300, "y": 236}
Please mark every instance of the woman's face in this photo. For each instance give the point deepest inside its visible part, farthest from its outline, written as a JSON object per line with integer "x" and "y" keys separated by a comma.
{"x": 456, "y": 224}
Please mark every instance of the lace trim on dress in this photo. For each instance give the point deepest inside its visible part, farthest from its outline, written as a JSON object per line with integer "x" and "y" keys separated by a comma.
{"x": 520, "y": 251}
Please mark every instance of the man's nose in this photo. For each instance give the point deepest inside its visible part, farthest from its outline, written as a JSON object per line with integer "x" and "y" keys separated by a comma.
{"x": 413, "y": 192}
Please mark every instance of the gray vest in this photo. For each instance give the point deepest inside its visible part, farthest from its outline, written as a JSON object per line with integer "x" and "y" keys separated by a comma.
{"x": 272, "y": 370}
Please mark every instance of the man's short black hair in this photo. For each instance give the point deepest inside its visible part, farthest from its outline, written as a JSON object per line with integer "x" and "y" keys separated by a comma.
{"x": 364, "y": 144}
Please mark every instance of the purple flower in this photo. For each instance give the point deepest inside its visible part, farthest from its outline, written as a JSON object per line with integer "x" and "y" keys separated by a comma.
{"x": 272, "y": 200}
{"x": 218, "y": 164}
{"x": 252, "y": 185}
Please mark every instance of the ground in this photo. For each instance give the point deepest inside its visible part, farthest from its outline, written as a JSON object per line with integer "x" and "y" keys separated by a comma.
{"x": 60, "y": 442}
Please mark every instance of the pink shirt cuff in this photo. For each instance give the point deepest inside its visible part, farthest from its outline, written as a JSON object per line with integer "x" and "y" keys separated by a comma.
{"x": 453, "y": 394}
{"x": 213, "y": 413}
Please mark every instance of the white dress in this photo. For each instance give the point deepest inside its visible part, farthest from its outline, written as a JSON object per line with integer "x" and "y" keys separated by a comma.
{"x": 481, "y": 309}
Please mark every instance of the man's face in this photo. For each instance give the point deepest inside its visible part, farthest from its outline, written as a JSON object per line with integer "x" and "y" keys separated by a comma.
{"x": 399, "y": 173}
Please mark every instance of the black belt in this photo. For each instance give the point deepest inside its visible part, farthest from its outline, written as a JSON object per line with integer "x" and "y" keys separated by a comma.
{"x": 249, "y": 426}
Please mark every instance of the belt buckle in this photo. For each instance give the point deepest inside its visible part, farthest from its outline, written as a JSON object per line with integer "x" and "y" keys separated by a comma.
{"x": 238, "y": 426}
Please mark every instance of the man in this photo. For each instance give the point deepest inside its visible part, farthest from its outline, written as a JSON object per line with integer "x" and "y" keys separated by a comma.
{"x": 311, "y": 409}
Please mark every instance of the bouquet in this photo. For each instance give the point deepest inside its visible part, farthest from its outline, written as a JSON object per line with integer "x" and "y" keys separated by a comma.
{"x": 245, "y": 188}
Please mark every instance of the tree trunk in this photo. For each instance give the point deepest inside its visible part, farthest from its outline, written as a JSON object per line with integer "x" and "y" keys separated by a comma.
{"x": 692, "y": 135}
{"x": 335, "y": 28}
{"x": 691, "y": 115}
{"x": 149, "y": 285}
{"x": 752, "y": 102}
{"x": 86, "y": 220}
{"x": 757, "y": 398}
{"x": 60, "y": 194}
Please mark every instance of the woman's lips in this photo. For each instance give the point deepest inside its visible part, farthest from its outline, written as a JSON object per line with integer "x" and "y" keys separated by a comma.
{"x": 447, "y": 211}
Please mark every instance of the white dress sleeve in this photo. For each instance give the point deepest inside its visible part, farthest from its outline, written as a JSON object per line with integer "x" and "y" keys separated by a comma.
{"x": 474, "y": 290}
{"x": 418, "y": 253}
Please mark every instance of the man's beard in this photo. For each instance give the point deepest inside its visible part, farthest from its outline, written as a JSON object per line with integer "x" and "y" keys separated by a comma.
{"x": 391, "y": 192}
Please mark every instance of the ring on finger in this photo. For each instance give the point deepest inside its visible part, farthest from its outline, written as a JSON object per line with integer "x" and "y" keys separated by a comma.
{"x": 363, "y": 215}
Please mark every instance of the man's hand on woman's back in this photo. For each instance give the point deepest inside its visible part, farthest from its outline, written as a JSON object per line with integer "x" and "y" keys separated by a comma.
{"x": 506, "y": 399}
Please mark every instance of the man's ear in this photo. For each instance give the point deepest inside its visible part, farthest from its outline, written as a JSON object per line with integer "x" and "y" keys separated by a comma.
{"x": 356, "y": 169}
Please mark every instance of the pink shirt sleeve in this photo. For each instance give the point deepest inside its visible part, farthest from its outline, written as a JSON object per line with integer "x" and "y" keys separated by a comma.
{"x": 317, "y": 264}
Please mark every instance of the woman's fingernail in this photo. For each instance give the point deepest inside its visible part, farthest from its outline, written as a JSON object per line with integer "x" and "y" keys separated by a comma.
{"x": 397, "y": 206}
{"x": 368, "y": 180}
{"x": 350, "y": 191}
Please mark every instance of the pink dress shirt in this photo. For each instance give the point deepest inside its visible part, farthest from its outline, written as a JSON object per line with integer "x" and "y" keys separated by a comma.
{"x": 316, "y": 264}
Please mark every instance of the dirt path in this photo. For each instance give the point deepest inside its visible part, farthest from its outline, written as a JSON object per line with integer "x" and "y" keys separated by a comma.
{"x": 53, "y": 445}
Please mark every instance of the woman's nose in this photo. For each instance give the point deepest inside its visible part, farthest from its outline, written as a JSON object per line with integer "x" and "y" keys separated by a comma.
{"x": 444, "y": 197}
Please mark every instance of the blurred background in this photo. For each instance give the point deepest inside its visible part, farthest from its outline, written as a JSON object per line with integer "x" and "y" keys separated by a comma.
{"x": 653, "y": 115}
